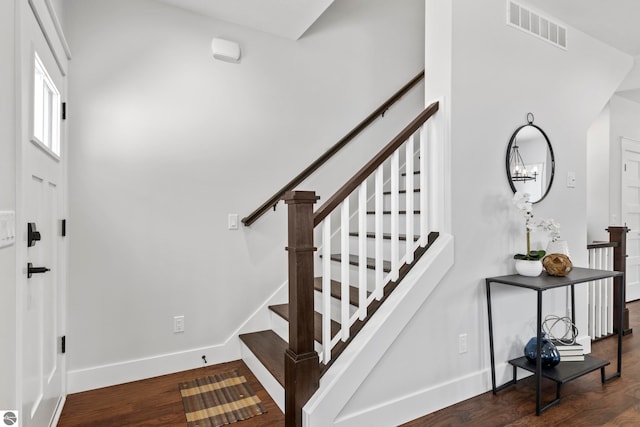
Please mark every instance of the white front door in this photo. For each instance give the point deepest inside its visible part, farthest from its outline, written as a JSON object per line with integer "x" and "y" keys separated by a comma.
{"x": 42, "y": 205}
{"x": 631, "y": 213}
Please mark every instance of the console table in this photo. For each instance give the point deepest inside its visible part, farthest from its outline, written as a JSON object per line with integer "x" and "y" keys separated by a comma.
{"x": 564, "y": 371}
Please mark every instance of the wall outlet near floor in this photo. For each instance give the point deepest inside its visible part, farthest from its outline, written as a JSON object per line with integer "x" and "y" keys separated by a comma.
{"x": 178, "y": 324}
{"x": 462, "y": 343}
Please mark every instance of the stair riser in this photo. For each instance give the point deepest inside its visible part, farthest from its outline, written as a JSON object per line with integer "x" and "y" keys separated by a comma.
{"x": 402, "y": 201}
{"x": 386, "y": 223}
{"x": 354, "y": 278}
{"x": 402, "y": 185}
{"x": 270, "y": 384}
{"x": 281, "y": 327}
{"x": 336, "y": 307}
{"x": 354, "y": 247}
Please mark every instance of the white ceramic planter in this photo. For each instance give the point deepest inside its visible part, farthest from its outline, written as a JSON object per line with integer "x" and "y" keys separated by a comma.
{"x": 528, "y": 268}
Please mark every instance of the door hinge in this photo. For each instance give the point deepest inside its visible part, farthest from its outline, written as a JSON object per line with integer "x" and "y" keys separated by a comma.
{"x": 64, "y": 111}
{"x": 63, "y": 344}
{"x": 63, "y": 227}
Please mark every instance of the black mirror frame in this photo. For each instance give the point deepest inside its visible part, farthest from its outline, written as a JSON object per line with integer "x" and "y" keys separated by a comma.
{"x": 553, "y": 159}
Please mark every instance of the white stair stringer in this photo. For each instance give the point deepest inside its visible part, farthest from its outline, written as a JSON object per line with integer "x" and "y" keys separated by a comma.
{"x": 349, "y": 371}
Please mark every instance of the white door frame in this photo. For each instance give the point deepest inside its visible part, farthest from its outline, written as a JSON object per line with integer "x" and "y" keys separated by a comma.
{"x": 627, "y": 144}
{"x": 52, "y": 30}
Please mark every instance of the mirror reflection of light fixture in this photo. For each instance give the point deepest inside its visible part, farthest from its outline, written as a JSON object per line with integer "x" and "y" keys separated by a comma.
{"x": 535, "y": 176}
{"x": 519, "y": 170}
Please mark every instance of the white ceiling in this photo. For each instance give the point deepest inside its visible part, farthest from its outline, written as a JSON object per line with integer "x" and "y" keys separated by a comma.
{"x": 285, "y": 18}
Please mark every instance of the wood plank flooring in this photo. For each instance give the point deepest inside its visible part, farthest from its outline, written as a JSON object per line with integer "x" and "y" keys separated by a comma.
{"x": 585, "y": 401}
{"x": 155, "y": 402}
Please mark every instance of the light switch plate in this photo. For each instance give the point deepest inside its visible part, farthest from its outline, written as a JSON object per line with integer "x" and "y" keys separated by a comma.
{"x": 571, "y": 179}
{"x": 233, "y": 221}
{"x": 7, "y": 228}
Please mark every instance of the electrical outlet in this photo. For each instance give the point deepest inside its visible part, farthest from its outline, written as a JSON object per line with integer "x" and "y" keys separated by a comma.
{"x": 462, "y": 343}
{"x": 178, "y": 324}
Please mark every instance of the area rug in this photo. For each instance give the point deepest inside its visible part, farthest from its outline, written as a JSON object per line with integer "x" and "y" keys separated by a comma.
{"x": 218, "y": 400}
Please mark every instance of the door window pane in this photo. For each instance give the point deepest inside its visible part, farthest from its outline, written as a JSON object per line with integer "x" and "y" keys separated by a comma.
{"x": 46, "y": 109}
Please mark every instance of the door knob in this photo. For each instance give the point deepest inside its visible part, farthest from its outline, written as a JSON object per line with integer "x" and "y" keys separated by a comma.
{"x": 33, "y": 235}
{"x": 31, "y": 270}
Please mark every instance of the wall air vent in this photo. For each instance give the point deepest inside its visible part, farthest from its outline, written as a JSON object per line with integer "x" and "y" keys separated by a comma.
{"x": 535, "y": 24}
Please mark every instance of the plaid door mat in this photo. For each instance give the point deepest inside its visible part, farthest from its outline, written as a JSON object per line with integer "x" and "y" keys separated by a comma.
{"x": 219, "y": 400}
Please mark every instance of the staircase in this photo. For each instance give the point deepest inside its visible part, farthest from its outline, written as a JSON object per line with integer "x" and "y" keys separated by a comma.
{"x": 370, "y": 234}
{"x": 268, "y": 346}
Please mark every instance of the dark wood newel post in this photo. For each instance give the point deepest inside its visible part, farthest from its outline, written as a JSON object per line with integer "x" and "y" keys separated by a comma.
{"x": 619, "y": 235}
{"x": 301, "y": 363}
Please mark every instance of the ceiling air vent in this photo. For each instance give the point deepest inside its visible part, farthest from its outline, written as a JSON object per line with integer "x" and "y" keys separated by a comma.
{"x": 533, "y": 23}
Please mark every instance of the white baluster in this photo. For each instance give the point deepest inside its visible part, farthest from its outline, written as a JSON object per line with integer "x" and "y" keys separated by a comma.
{"x": 409, "y": 199}
{"x": 379, "y": 255}
{"x": 609, "y": 286}
{"x": 395, "y": 216}
{"x": 326, "y": 289}
{"x": 362, "y": 251}
{"x": 592, "y": 299}
{"x": 599, "y": 296}
{"x": 344, "y": 269}
{"x": 424, "y": 189}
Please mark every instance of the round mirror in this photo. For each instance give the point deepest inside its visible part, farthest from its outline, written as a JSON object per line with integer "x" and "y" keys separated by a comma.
{"x": 530, "y": 162}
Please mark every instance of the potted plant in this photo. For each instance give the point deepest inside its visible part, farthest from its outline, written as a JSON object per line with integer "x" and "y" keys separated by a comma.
{"x": 529, "y": 263}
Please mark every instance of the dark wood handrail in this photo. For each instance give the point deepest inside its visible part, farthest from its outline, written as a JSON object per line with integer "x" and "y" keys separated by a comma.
{"x": 253, "y": 216}
{"x": 344, "y": 192}
{"x": 599, "y": 245}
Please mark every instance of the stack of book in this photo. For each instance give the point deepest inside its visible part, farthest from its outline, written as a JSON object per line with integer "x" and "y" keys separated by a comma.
{"x": 570, "y": 352}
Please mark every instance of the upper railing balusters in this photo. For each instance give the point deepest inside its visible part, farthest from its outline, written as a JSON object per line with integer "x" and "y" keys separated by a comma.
{"x": 401, "y": 149}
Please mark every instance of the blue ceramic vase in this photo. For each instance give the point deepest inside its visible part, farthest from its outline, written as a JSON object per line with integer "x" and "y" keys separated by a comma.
{"x": 550, "y": 356}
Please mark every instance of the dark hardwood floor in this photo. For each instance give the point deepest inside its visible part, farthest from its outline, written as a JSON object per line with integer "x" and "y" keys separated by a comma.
{"x": 585, "y": 401}
{"x": 156, "y": 402}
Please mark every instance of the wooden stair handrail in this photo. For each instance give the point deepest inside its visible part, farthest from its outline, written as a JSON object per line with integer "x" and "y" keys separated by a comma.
{"x": 344, "y": 192}
{"x": 271, "y": 202}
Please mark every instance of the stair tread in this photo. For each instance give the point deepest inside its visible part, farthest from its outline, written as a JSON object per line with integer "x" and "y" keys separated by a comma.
{"x": 386, "y": 236}
{"x": 282, "y": 310}
{"x": 415, "y": 190}
{"x": 371, "y": 262}
{"x": 269, "y": 348}
{"x": 416, "y": 212}
{"x": 336, "y": 290}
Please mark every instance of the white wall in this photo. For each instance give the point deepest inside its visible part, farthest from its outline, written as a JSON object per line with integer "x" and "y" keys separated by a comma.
{"x": 625, "y": 122}
{"x": 598, "y": 166}
{"x": 165, "y": 142}
{"x": 494, "y": 77}
{"x": 7, "y": 202}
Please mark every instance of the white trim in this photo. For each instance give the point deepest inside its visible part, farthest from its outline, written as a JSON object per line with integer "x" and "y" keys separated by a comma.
{"x": 353, "y": 366}
{"x": 137, "y": 369}
{"x": 262, "y": 374}
{"x": 416, "y": 405}
{"x": 40, "y": 15}
{"x": 58, "y": 27}
{"x": 100, "y": 376}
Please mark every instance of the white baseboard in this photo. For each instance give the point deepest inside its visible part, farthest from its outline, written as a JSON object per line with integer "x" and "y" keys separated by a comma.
{"x": 93, "y": 377}
{"x": 418, "y": 404}
{"x": 132, "y": 370}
